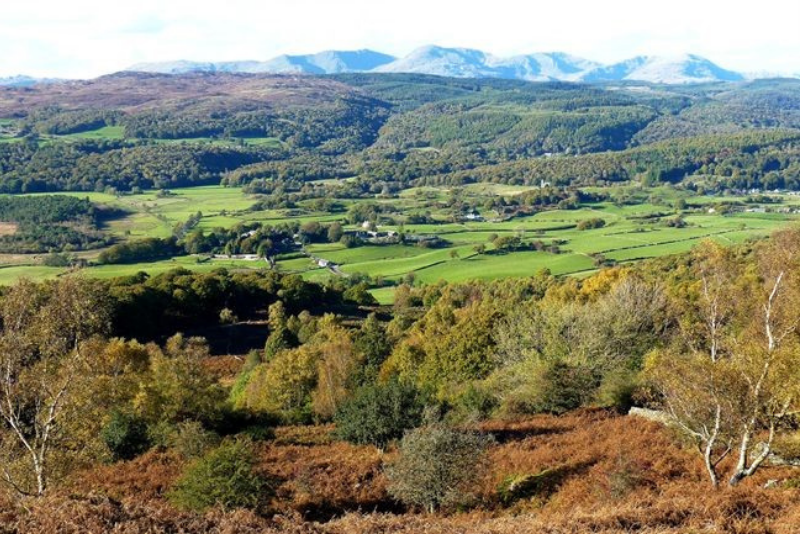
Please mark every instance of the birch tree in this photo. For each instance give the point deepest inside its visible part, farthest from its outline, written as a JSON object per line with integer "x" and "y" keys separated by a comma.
{"x": 41, "y": 363}
{"x": 737, "y": 374}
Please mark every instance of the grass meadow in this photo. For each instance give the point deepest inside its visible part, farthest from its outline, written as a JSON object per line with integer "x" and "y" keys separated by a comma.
{"x": 631, "y": 233}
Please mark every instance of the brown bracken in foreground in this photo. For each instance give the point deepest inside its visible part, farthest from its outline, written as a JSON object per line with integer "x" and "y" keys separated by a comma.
{"x": 594, "y": 472}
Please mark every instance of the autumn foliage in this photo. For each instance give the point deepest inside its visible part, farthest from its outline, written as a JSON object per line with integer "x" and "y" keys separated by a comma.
{"x": 597, "y": 472}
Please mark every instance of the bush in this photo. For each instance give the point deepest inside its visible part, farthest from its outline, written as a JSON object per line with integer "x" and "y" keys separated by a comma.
{"x": 519, "y": 487}
{"x": 436, "y": 466}
{"x": 191, "y": 440}
{"x": 125, "y": 436}
{"x": 475, "y": 404}
{"x": 379, "y": 414}
{"x": 788, "y": 447}
{"x": 590, "y": 224}
{"x": 565, "y": 387}
{"x": 617, "y": 390}
{"x": 223, "y": 477}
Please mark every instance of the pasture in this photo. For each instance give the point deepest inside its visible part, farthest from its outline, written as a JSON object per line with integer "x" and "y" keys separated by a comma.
{"x": 631, "y": 232}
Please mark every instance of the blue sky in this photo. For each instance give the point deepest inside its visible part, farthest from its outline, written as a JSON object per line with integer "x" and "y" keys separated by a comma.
{"x": 87, "y": 38}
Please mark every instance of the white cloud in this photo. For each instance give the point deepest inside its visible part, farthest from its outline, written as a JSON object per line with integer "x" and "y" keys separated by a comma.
{"x": 89, "y": 37}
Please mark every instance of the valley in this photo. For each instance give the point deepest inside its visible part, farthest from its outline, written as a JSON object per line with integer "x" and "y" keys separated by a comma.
{"x": 397, "y": 302}
{"x": 631, "y": 232}
{"x": 424, "y": 178}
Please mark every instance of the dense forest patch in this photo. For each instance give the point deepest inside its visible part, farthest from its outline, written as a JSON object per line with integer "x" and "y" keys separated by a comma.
{"x": 39, "y": 224}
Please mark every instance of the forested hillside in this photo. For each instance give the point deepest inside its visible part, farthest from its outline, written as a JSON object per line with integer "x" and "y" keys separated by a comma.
{"x": 130, "y": 130}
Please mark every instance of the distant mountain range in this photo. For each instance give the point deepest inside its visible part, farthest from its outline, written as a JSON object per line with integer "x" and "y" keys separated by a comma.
{"x": 330, "y": 62}
{"x": 464, "y": 63}
{"x": 24, "y": 81}
{"x": 470, "y": 63}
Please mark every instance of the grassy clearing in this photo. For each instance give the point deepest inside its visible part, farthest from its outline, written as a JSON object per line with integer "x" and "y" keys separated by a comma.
{"x": 106, "y": 132}
{"x": 7, "y": 229}
{"x": 118, "y": 132}
{"x": 187, "y": 262}
{"x": 11, "y": 273}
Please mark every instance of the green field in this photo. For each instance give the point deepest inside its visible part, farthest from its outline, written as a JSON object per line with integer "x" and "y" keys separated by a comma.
{"x": 628, "y": 235}
{"x": 118, "y": 133}
{"x": 107, "y": 132}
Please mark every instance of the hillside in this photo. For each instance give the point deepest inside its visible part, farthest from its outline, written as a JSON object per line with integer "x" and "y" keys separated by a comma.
{"x": 387, "y": 127}
{"x": 455, "y": 178}
{"x": 140, "y": 91}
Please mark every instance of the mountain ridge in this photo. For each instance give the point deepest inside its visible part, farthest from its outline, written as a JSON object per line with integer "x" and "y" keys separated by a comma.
{"x": 473, "y": 63}
{"x": 463, "y": 63}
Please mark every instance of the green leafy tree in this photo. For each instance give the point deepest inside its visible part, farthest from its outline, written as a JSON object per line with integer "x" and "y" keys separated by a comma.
{"x": 379, "y": 414}
{"x": 335, "y": 232}
{"x": 125, "y": 436}
{"x": 222, "y": 478}
{"x": 374, "y": 345}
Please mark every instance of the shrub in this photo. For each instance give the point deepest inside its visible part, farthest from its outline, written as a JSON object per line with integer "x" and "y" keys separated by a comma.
{"x": 125, "y": 436}
{"x": 223, "y": 477}
{"x": 565, "y": 387}
{"x": 617, "y": 390}
{"x": 787, "y": 447}
{"x": 191, "y": 440}
{"x": 436, "y": 466}
{"x": 475, "y": 404}
{"x": 519, "y": 487}
{"x": 589, "y": 224}
{"x": 379, "y": 414}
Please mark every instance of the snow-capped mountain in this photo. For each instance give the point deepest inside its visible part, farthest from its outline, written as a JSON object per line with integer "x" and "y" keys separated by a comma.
{"x": 471, "y": 63}
{"x": 467, "y": 63}
{"x": 329, "y": 62}
{"x": 684, "y": 69}
{"x": 455, "y": 62}
{"x": 544, "y": 67}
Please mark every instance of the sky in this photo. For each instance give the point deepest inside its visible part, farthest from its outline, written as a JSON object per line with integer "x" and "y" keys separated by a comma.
{"x": 88, "y": 38}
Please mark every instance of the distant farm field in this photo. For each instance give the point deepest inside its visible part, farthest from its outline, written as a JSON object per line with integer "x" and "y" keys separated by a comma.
{"x": 7, "y": 229}
{"x": 630, "y": 233}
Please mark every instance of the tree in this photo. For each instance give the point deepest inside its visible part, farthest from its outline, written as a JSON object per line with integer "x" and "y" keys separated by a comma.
{"x": 283, "y": 386}
{"x": 43, "y": 365}
{"x": 336, "y": 363}
{"x": 374, "y": 346}
{"x": 335, "y": 232}
{"x": 436, "y": 466}
{"x": 223, "y": 477}
{"x": 280, "y": 337}
{"x": 379, "y": 414}
{"x": 359, "y": 294}
{"x": 738, "y": 372}
{"x": 178, "y": 386}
